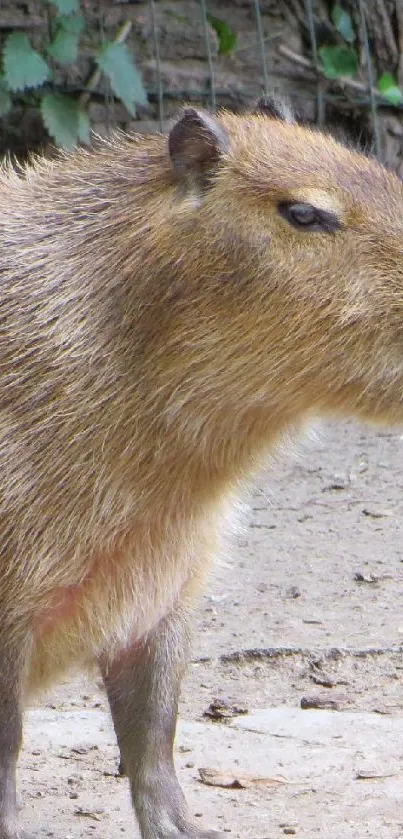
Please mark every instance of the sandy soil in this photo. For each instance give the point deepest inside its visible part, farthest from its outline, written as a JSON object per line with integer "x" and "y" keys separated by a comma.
{"x": 309, "y": 604}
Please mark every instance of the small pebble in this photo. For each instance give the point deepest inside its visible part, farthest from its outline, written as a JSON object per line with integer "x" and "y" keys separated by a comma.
{"x": 292, "y": 593}
{"x": 334, "y": 702}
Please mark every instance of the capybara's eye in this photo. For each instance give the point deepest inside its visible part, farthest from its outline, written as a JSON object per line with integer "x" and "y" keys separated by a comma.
{"x": 309, "y": 218}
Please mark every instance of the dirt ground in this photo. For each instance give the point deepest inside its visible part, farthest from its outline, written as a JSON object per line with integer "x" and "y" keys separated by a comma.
{"x": 308, "y": 607}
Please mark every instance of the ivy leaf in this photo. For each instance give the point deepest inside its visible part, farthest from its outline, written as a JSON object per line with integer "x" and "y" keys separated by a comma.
{"x": 71, "y": 23}
{"x": 126, "y": 82}
{"x": 67, "y": 7}
{"x": 84, "y": 127}
{"x": 226, "y": 36}
{"x": 24, "y": 67}
{"x": 64, "y": 47}
{"x": 5, "y": 98}
{"x": 338, "y": 61}
{"x": 388, "y": 86}
{"x": 343, "y": 23}
{"x": 64, "y": 120}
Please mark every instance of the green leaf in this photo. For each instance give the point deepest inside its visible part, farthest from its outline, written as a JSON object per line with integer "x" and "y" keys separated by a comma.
{"x": 338, "y": 61}
{"x": 71, "y": 23}
{"x": 64, "y": 120}
{"x": 84, "y": 127}
{"x": 226, "y": 36}
{"x": 126, "y": 82}
{"x": 24, "y": 67}
{"x": 388, "y": 86}
{"x": 67, "y": 7}
{"x": 343, "y": 23}
{"x": 64, "y": 47}
{"x": 5, "y": 98}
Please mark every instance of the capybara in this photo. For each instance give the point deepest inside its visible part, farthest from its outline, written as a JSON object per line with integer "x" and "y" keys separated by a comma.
{"x": 169, "y": 308}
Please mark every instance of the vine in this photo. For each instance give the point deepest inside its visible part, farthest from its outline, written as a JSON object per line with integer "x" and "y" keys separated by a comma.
{"x": 341, "y": 59}
{"x": 30, "y": 72}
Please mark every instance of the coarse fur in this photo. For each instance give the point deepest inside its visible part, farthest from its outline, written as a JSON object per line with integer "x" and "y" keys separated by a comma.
{"x": 162, "y": 326}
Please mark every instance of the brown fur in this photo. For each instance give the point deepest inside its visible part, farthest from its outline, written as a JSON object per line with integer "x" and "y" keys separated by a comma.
{"x": 158, "y": 335}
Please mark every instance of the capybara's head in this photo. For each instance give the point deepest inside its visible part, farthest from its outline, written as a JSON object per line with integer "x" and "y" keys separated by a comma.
{"x": 297, "y": 243}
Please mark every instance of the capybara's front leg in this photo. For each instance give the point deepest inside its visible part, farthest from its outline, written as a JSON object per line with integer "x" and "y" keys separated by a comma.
{"x": 11, "y": 670}
{"x": 143, "y": 686}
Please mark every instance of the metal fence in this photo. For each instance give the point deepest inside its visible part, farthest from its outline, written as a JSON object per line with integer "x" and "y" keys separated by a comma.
{"x": 357, "y": 94}
{"x": 363, "y": 94}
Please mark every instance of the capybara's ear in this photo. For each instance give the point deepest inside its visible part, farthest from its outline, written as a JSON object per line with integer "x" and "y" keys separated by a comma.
{"x": 196, "y": 143}
{"x": 275, "y": 107}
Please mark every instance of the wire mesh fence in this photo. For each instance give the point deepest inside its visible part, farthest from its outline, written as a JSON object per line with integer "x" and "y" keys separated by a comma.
{"x": 359, "y": 93}
{"x": 366, "y": 95}
{"x": 273, "y": 46}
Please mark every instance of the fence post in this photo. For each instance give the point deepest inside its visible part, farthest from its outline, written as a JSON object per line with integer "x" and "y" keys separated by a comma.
{"x": 320, "y": 100}
{"x": 370, "y": 76}
{"x": 260, "y": 36}
{"x": 160, "y": 90}
{"x": 209, "y": 55}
